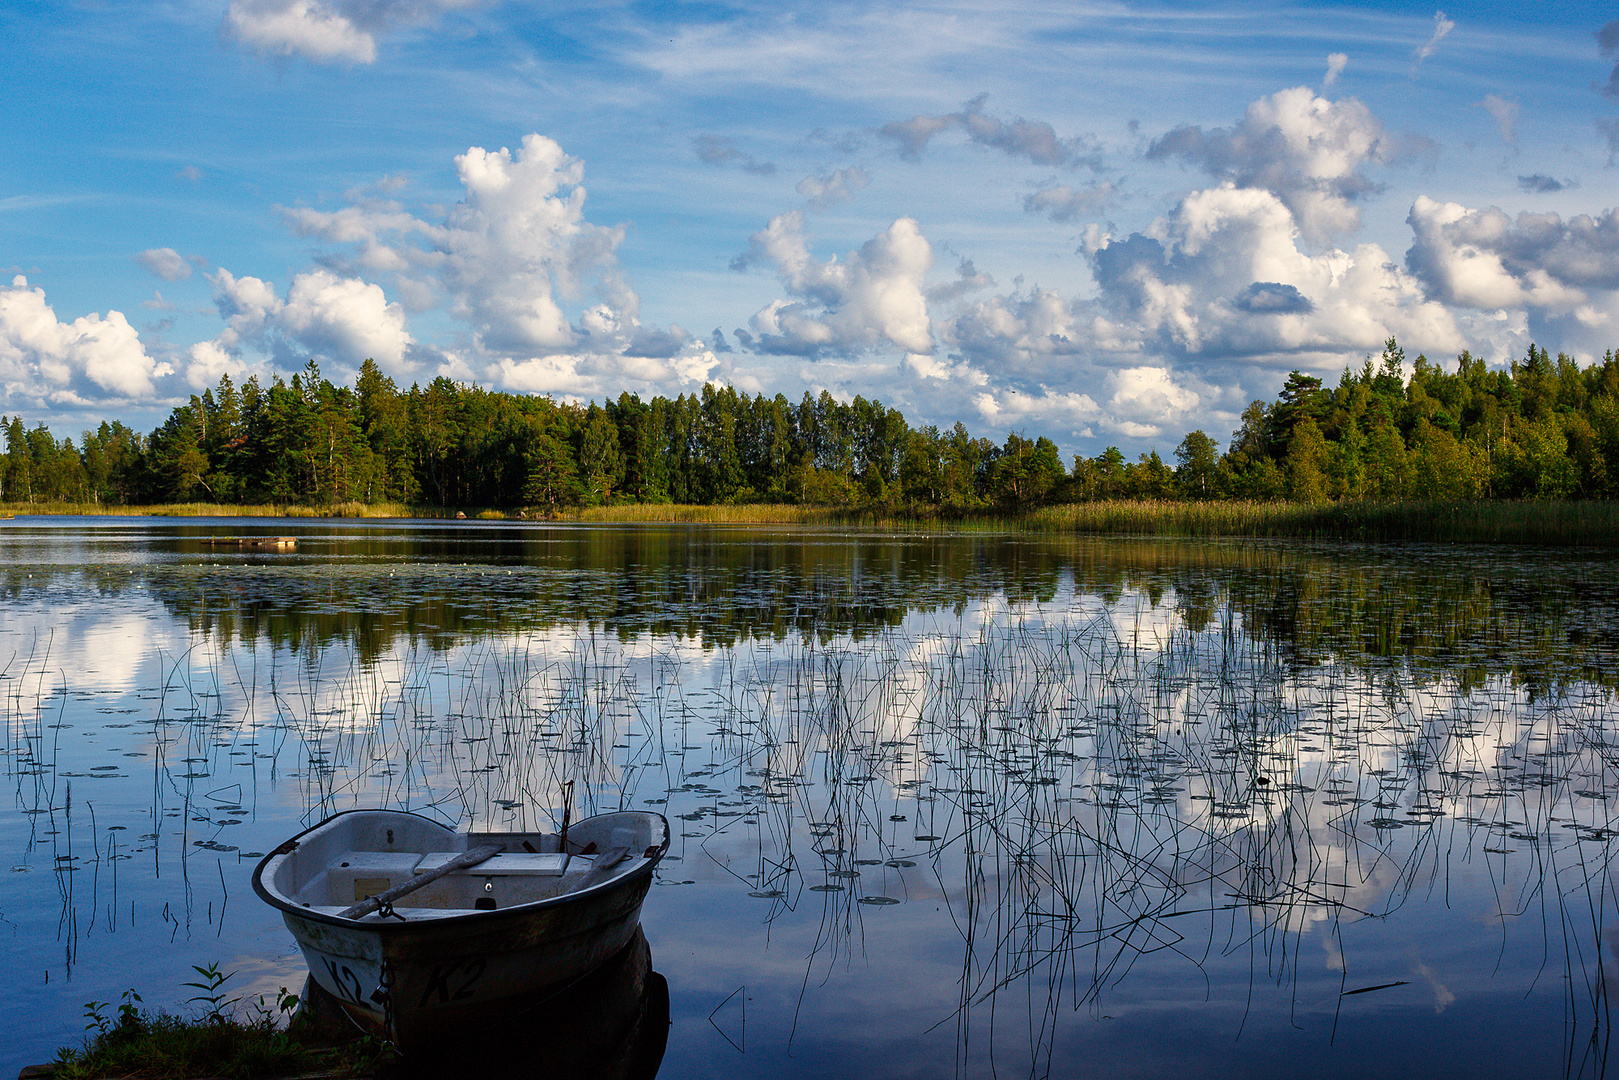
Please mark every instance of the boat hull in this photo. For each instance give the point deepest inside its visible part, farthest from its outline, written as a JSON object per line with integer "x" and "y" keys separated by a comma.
{"x": 453, "y": 971}
{"x": 610, "y": 1024}
{"x": 418, "y": 980}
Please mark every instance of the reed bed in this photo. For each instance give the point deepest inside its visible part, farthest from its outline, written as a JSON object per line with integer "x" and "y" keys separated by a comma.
{"x": 1553, "y": 523}
{"x": 1095, "y": 793}
{"x": 1592, "y": 523}
{"x": 1090, "y": 799}
{"x": 1559, "y": 523}
{"x": 743, "y": 514}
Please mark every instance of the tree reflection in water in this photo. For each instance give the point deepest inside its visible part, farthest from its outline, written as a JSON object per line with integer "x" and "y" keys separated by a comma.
{"x": 1297, "y": 793}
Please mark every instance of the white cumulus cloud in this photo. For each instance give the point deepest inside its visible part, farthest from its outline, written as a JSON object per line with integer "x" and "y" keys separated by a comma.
{"x": 1563, "y": 273}
{"x": 345, "y": 318}
{"x": 1223, "y": 275}
{"x": 1336, "y": 62}
{"x": 1308, "y": 151}
{"x": 520, "y": 242}
{"x": 206, "y": 362}
{"x": 1194, "y": 315}
{"x": 91, "y": 359}
{"x": 1012, "y": 409}
{"x": 340, "y": 319}
{"x": 327, "y": 31}
{"x": 537, "y": 284}
{"x": 506, "y": 259}
{"x": 842, "y": 306}
{"x": 1150, "y": 392}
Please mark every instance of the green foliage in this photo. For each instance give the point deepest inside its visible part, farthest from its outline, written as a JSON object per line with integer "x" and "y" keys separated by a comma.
{"x": 212, "y": 991}
{"x": 1197, "y": 466}
{"x": 1025, "y": 473}
{"x": 129, "y": 1015}
{"x": 1396, "y": 429}
{"x": 1306, "y": 462}
{"x": 551, "y": 477}
{"x": 272, "y": 1041}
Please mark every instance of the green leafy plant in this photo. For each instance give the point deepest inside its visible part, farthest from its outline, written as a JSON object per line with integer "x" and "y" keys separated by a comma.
{"x": 95, "y": 1017}
{"x": 286, "y": 1003}
{"x": 129, "y": 1013}
{"x": 213, "y": 995}
{"x": 129, "y": 1021}
{"x": 129, "y": 1042}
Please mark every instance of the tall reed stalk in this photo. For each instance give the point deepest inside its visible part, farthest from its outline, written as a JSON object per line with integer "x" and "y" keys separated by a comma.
{"x": 1593, "y": 523}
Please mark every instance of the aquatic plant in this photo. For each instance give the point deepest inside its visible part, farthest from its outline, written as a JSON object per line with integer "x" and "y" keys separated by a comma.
{"x": 1238, "y": 780}
{"x": 272, "y": 1041}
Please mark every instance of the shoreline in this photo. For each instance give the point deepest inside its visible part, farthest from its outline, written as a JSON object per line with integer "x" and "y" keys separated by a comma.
{"x": 1575, "y": 523}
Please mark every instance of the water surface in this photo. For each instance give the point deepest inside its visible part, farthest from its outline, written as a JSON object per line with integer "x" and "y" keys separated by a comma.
{"x": 942, "y": 805}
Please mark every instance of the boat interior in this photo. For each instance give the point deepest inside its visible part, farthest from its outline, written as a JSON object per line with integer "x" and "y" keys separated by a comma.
{"x": 357, "y": 856}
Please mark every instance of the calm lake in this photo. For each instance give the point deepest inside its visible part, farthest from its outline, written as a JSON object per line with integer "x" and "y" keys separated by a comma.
{"x": 942, "y": 805}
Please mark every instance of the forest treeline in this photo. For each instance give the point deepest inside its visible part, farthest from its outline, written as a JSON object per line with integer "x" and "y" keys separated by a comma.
{"x": 1541, "y": 428}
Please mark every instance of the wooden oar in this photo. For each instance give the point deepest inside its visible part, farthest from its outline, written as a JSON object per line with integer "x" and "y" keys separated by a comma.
{"x": 460, "y": 862}
{"x": 601, "y": 867}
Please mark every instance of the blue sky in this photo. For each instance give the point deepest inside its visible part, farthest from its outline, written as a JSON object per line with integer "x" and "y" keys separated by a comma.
{"x": 1106, "y": 223}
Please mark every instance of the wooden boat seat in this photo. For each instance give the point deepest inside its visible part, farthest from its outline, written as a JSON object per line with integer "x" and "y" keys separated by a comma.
{"x": 358, "y": 875}
{"x": 400, "y": 865}
{"x": 508, "y": 864}
{"x": 381, "y": 863}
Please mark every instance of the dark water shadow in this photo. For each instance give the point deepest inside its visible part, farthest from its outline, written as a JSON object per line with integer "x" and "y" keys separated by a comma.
{"x": 611, "y": 1024}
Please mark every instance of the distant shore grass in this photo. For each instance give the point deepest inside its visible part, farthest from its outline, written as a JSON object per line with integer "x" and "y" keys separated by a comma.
{"x": 334, "y": 510}
{"x": 741, "y": 514}
{"x": 1590, "y": 523}
{"x": 1583, "y": 523}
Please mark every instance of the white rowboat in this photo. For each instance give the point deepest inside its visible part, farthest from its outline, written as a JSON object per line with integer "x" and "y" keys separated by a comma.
{"x": 460, "y": 933}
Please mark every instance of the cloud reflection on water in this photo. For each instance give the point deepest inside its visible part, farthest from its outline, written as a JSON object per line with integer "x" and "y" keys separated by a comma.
{"x": 1061, "y": 813}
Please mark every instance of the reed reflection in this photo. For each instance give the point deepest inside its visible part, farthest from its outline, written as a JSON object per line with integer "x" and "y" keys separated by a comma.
{"x": 1100, "y": 813}
{"x": 1288, "y": 791}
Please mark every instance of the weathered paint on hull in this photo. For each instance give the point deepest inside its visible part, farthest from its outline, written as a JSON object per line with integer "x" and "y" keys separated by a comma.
{"x": 431, "y": 974}
{"x": 458, "y": 970}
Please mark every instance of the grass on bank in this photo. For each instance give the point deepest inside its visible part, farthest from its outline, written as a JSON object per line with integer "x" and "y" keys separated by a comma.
{"x": 268, "y": 1042}
{"x": 334, "y": 510}
{"x": 1560, "y": 523}
{"x": 1585, "y": 523}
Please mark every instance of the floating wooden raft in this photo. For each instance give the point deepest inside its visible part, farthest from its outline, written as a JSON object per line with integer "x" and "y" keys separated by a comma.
{"x": 252, "y": 541}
